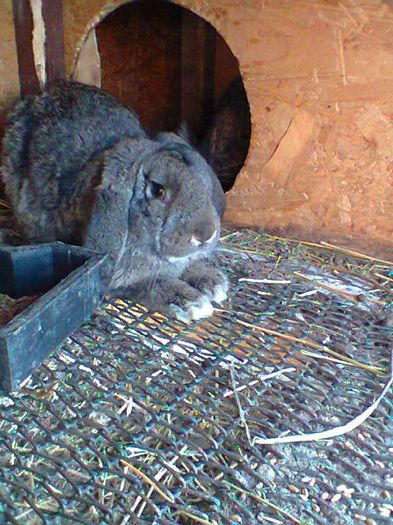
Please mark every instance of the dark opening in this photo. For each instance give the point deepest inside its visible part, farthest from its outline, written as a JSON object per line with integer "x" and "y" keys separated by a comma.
{"x": 173, "y": 68}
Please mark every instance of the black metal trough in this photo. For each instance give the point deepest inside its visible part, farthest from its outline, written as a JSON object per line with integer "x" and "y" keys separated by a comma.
{"x": 70, "y": 283}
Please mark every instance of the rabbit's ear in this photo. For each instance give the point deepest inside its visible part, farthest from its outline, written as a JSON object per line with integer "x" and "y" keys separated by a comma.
{"x": 106, "y": 230}
{"x": 184, "y": 132}
{"x": 172, "y": 140}
{"x": 122, "y": 162}
{"x": 122, "y": 181}
{"x": 198, "y": 164}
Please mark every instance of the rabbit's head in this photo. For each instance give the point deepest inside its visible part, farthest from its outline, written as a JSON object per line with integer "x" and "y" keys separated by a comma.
{"x": 155, "y": 197}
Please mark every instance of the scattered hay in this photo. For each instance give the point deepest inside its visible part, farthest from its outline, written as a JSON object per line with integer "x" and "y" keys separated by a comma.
{"x": 10, "y": 307}
{"x": 141, "y": 413}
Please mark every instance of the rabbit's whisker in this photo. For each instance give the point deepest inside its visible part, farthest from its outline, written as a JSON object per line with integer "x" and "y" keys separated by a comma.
{"x": 155, "y": 276}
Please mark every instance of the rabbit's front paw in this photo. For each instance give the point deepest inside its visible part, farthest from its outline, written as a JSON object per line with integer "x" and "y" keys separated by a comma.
{"x": 177, "y": 298}
{"x": 190, "y": 310}
{"x": 210, "y": 281}
{"x": 173, "y": 297}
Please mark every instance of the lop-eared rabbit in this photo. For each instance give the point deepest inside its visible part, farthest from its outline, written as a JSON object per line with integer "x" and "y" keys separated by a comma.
{"x": 78, "y": 167}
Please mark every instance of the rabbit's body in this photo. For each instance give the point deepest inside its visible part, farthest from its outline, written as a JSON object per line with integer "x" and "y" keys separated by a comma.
{"x": 227, "y": 138}
{"x": 78, "y": 167}
{"x": 52, "y": 153}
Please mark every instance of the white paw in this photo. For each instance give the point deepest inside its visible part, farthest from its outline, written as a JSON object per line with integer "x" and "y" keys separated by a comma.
{"x": 220, "y": 292}
{"x": 198, "y": 310}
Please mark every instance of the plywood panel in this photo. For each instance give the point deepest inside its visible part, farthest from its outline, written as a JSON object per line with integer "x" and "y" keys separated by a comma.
{"x": 197, "y": 63}
{"x": 140, "y": 61}
{"x": 319, "y": 78}
{"x": 9, "y": 81}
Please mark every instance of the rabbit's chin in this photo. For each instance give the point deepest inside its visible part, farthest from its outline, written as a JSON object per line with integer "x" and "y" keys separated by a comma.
{"x": 192, "y": 256}
{"x": 183, "y": 258}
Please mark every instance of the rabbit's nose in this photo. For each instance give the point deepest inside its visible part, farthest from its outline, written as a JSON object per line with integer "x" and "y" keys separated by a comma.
{"x": 205, "y": 235}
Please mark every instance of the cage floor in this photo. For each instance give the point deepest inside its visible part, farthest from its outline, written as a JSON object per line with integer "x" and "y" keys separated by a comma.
{"x": 141, "y": 419}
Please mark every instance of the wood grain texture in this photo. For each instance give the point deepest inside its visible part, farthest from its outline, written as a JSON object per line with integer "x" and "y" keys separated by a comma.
{"x": 23, "y": 22}
{"x": 197, "y": 72}
{"x": 140, "y": 61}
{"x": 319, "y": 78}
{"x": 9, "y": 76}
{"x": 52, "y": 13}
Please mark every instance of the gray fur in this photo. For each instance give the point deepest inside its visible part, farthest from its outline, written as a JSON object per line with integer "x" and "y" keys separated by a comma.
{"x": 78, "y": 167}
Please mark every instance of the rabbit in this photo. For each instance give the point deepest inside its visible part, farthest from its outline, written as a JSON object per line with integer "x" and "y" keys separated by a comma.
{"x": 78, "y": 167}
{"x": 226, "y": 139}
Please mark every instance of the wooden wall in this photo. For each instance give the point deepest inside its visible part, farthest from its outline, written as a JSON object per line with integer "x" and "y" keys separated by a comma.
{"x": 163, "y": 61}
{"x": 9, "y": 79}
{"x": 140, "y": 61}
{"x": 319, "y": 78}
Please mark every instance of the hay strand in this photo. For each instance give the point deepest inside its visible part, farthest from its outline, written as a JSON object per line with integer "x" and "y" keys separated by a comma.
{"x": 149, "y": 481}
{"x": 306, "y": 342}
{"x": 263, "y": 500}
{"x": 332, "y": 432}
{"x": 353, "y": 253}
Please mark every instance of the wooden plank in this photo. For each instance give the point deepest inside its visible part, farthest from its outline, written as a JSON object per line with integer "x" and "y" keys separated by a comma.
{"x": 139, "y": 49}
{"x": 197, "y": 72}
{"x": 209, "y": 73}
{"x": 52, "y": 13}
{"x": 227, "y": 68}
{"x": 23, "y": 21}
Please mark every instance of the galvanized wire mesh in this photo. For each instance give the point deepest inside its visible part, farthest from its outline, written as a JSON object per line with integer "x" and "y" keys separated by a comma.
{"x": 141, "y": 419}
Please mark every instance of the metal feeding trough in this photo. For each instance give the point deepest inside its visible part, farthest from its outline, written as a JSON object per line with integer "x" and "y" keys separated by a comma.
{"x": 64, "y": 285}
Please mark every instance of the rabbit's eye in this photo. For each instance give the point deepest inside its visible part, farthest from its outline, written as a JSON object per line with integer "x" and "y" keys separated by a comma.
{"x": 156, "y": 191}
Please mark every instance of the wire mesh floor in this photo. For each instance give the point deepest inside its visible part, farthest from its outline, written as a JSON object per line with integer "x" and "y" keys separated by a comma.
{"x": 141, "y": 419}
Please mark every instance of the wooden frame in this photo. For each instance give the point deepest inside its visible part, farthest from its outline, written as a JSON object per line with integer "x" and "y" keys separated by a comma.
{"x": 197, "y": 73}
{"x": 52, "y": 15}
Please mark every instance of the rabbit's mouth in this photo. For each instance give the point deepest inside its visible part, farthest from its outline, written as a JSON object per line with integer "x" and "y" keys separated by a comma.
{"x": 181, "y": 258}
{"x": 181, "y": 254}
{"x": 197, "y": 254}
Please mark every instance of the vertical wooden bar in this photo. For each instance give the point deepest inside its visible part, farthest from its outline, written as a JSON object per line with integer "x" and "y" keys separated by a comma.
{"x": 23, "y": 21}
{"x": 52, "y": 13}
{"x": 197, "y": 72}
{"x": 228, "y": 68}
{"x": 139, "y": 60}
{"x": 209, "y": 73}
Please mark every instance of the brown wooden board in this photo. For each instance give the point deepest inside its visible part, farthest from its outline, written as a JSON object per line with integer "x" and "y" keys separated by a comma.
{"x": 139, "y": 45}
{"x": 23, "y": 20}
{"x": 52, "y": 13}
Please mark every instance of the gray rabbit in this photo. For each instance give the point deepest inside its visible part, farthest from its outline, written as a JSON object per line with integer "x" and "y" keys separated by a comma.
{"x": 78, "y": 167}
{"x": 226, "y": 140}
